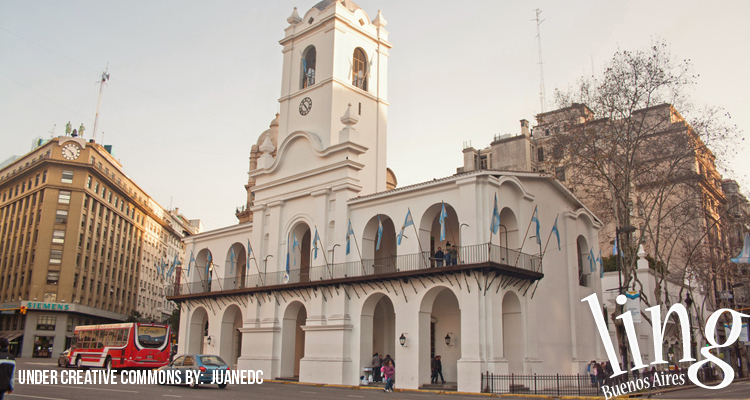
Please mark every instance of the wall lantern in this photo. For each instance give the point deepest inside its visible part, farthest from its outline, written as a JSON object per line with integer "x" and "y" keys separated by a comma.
{"x": 448, "y": 339}
{"x": 402, "y": 340}
{"x": 208, "y": 340}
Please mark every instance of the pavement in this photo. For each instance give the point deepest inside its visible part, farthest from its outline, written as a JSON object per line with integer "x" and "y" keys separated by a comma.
{"x": 277, "y": 390}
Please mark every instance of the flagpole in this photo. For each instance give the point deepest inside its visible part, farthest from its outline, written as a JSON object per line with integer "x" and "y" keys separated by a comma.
{"x": 257, "y": 267}
{"x": 362, "y": 263}
{"x": 390, "y": 252}
{"x": 546, "y": 244}
{"x": 458, "y": 252}
{"x": 330, "y": 274}
{"x": 418, "y": 241}
{"x": 524, "y": 238}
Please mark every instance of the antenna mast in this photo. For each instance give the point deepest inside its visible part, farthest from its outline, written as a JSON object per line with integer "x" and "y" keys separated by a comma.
{"x": 541, "y": 64}
{"x": 105, "y": 77}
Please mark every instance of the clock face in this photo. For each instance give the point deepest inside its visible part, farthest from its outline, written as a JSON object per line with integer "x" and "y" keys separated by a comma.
{"x": 305, "y": 106}
{"x": 71, "y": 151}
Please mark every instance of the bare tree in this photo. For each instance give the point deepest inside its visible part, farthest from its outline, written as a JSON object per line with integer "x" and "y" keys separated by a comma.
{"x": 632, "y": 158}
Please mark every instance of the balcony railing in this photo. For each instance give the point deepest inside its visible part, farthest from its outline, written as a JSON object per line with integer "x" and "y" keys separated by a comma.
{"x": 512, "y": 260}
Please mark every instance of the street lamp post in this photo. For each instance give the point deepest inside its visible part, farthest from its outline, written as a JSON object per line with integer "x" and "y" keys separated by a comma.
{"x": 333, "y": 253}
{"x": 627, "y": 230}
{"x": 689, "y": 304}
{"x": 265, "y": 266}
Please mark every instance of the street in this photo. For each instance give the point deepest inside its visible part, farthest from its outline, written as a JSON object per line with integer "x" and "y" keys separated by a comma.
{"x": 275, "y": 391}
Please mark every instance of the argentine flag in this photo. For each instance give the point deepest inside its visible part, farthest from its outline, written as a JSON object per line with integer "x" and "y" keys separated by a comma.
{"x": 408, "y": 221}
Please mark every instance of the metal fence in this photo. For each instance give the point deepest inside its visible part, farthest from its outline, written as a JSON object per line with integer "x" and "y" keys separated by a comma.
{"x": 552, "y": 385}
{"x": 475, "y": 254}
{"x": 580, "y": 385}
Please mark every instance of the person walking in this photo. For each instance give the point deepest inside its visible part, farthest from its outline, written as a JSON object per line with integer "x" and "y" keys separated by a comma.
{"x": 433, "y": 368}
{"x": 389, "y": 358}
{"x": 7, "y": 368}
{"x": 388, "y": 370}
{"x": 439, "y": 368}
{"x": 376, "y": 365}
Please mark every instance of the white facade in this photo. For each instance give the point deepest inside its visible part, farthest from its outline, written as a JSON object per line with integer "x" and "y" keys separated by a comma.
{"x": 322, "y": 319}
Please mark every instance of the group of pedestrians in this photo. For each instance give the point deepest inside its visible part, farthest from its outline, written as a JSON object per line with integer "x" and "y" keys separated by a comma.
{"x": 387, "y": 367}
{"x": 447, "y": 257}
{"x": 601, "y": 373}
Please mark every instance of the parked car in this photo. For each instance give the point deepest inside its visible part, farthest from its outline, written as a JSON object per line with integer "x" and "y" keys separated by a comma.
{"x": 205, "y": 363}
{"x": 63, "y": 361}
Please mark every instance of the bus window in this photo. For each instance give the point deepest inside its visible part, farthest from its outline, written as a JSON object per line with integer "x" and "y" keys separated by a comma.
{"x": 112, "y": 337}
{"x": 125, "y": 335}
{"x": 101, "y": 336}
{"x": 86, "y": 335}
{"x": 118, "y": 338}
{"x": 152, "y": 336}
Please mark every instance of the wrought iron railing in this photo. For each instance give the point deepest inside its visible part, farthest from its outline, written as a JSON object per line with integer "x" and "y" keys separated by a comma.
{"x": 466, "y": 255}
{"x": 581, "y": 384}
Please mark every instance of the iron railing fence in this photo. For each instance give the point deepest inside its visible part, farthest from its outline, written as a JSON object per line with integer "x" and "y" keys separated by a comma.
{"x": 466, "y": 255}
{"x": 551, "y": 385}
{"x": 582, "y": 385}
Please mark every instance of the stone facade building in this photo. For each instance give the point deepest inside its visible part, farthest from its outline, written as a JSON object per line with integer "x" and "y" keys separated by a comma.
{"x": 333, "y": 262}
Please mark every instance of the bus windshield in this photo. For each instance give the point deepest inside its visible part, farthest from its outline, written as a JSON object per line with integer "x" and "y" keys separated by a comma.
{"x": 152, "y": 336}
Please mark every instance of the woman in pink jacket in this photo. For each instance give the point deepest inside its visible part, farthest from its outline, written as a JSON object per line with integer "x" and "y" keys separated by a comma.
{"x": 388, "y": 371}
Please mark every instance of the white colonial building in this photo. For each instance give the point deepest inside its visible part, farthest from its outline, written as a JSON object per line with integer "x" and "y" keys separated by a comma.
{"x": 300, "y": 305}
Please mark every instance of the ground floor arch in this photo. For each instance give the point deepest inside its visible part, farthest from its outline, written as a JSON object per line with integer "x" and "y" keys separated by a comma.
{"x": 513, "y": 350}
{"x": 439, "y": 333}
{"x": 292, "y": 339}
{"x": 198, "y": 330}
{"x": 230, "y": 340}
{"x": 377, "y": 328}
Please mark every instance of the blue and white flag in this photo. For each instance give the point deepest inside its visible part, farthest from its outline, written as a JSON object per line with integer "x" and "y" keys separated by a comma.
{"x": 349, "y": 233}
{"x": 209, "y": 261}
{"x": 192, "y": 261}
{"x": 557, "y": 233}
{"x": 744, "y": 256}
{"x": 316, "y": 239}
{"x": 249, "y": 255}
{"x": 287, "y": 257}
{"x": 443, "y": 216}
{"x": 535, "y": 218}
{"x": 295, "y": 245}
{"x": 380, "y": 232}
{"x": 614, "y": 248}
{"x": 175, "y": 263}
{"x": 592, "y": 259}
{"x": 163, "y": 267}
{"x": 231, "y": 260}
{"x": 408, "y": 221}
{"x": 495, "y": 223}
{"x": 601, "y": 264}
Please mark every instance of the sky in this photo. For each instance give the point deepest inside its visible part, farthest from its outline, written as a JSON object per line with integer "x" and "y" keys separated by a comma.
{"x": 194, "y": 83}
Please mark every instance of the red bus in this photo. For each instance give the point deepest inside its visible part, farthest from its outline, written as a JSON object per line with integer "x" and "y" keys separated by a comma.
{"x": 127, "y": 345}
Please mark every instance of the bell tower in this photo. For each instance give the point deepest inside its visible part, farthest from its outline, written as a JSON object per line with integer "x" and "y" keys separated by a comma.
{"x": 333, "y": 86}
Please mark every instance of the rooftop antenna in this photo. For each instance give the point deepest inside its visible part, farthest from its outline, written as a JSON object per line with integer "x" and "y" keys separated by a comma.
{"x": 52, "y": 132}
{"x": 541, "y": 66}
{"x": 105, "y": 77}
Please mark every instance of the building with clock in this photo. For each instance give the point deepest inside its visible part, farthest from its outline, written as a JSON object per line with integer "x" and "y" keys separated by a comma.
{"x": 332, "y": 261}
{"x": 79, "y": 244}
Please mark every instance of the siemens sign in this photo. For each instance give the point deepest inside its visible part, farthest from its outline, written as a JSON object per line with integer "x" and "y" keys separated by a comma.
{"x": 47, "y": 306}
